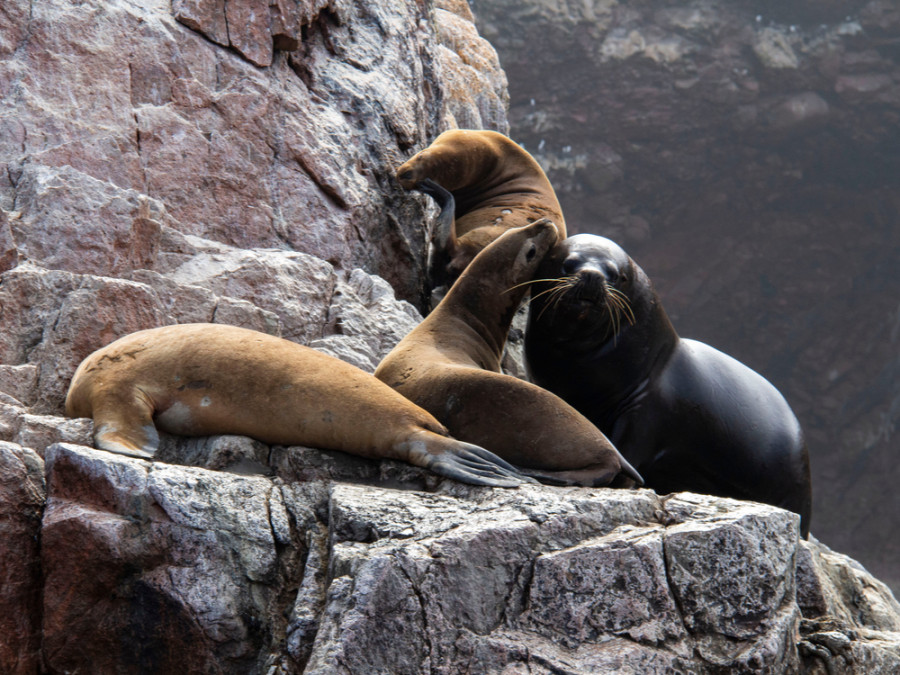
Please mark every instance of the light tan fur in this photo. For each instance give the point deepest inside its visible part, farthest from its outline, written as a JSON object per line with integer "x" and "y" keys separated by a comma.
{"x": 202, "y": 379}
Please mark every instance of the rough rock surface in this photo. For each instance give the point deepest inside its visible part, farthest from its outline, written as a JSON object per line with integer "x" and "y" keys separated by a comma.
{"x": 118, "y": 119}
{"x": 238, "y": 571}
{"x": 232, "y": 162}
{"x": 22, "y": 496}
{"x": 154, "y": 169}
{"x": 747, "y": 154}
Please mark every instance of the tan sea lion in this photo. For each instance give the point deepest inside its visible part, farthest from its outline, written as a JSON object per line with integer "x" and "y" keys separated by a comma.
{"x": 450, "y": 365}
{"x": 497, "y": 186}
{"x": 203, "y": 379}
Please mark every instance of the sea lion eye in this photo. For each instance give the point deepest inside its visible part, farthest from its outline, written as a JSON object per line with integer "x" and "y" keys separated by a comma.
{"x": 571, "y": 265}
{"x": 532, "y": 251}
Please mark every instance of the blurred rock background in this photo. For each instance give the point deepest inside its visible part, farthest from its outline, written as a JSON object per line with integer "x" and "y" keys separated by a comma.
{"x": 747, "y": 154}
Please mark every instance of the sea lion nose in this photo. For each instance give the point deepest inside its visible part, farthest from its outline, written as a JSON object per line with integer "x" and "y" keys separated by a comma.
{"x": 591, "y": 283}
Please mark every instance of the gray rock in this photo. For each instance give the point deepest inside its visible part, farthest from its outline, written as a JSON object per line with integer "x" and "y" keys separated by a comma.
{"x": 22, "y": 496}
{"x": 204, "y": 161}
{"x": 295, "y": 287}
{"x": 183, "y": 559}
{"x": 358, "y": 578}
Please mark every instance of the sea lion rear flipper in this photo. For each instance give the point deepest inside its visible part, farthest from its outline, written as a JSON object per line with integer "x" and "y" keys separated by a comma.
{"x": 125, "y": 429}
{"x": 461, "y": 461}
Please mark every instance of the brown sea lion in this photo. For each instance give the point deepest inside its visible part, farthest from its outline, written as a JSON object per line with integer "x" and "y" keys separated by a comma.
{"x": 202, "y": 379}
{"x": 450, "y": 365}
{"x": 497, "y": 186}
{"x": 686, "y": 415}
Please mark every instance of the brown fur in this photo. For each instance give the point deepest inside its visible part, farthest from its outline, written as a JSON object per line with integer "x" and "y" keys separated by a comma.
{"x": 496, "y": 185}
{"x": 202, "y": 379}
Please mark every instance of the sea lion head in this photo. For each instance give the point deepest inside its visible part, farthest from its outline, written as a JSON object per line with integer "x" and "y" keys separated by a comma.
{"x": 512, "y": 258}
{"x": 485, "y": 184}
{"x": 587, "y": 289}
{"x": 516, "y": 255}
{"x": 491, "y": 288}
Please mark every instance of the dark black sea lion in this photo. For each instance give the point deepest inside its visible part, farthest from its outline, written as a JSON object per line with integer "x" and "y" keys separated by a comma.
{"x": 687, "y": 416}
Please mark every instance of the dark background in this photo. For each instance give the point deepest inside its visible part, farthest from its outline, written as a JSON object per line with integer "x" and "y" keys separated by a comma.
{"x": 747, "y": 155}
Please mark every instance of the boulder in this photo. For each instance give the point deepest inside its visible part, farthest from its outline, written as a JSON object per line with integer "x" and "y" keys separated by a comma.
{"x": 247, "y": 569}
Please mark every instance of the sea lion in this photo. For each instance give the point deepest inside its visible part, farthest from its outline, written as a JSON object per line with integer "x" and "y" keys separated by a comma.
{"x": 686, "y": 415}
{"x": 450, "y": 365}
{"x": 202, "y": 379}
{"x": 496, "y": 184}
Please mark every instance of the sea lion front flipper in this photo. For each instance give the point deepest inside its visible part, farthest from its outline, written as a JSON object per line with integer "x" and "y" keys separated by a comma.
{"x": 461, "y": 461}
{"x": 125, "y": 427}
{"x": 443, "y": 237}
{"x": 445, "y": 231}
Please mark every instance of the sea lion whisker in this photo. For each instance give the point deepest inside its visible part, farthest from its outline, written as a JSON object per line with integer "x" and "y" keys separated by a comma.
{"x": 558, "y": 293}
{"x": 559, "y": 288}
{"x": 623, "y": 304}
{"x": 616, "y": 320}
{"x": 613, "y": 303}
{"x": 544, "y": 292}
{"x": 552, "y": 303}
{"x": 626, "y": 306}
{"x": 533, "y": 281}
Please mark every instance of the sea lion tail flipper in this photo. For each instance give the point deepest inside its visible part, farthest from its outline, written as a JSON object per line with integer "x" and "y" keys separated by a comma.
{"x": 461, "y": 461}
{"x": 125, "y": 429}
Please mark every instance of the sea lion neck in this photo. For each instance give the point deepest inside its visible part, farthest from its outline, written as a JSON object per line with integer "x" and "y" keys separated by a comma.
{"x": 490, "y": 290}
{"x": 481, "y": 303}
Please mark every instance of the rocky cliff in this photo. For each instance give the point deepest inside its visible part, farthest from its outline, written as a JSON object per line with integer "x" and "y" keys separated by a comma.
{"x": 232, "y": 162}
{"x": 747, "y": 154}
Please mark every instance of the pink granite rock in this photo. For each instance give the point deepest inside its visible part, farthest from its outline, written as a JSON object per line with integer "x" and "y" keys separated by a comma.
{"x": 22, "y": 495}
